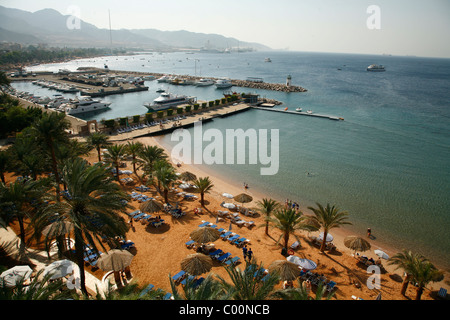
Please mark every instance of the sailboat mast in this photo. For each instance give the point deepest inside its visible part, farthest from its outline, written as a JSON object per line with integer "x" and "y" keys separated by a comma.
{"x": 110, "y": 32}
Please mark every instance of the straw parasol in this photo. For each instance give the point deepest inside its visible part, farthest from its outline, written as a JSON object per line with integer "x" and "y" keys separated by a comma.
{"x": 243, "y": 198}
{"x": 57, "y": 228}
{"x": 151, "y": 206}
{"x": 356, "y": 243}
{"x": 115, "y": 260}
{"x": 188, "y": 176}
{"x": 288, "y": 271}
{"x": 196, "y": 264}
{"x": 205, "y": 234}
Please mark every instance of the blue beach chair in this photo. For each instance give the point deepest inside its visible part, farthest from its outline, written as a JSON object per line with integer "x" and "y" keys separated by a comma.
{"x": 179, "y": 276}
{"x": 146, "y": 290}
{"x": 224, "y": 257}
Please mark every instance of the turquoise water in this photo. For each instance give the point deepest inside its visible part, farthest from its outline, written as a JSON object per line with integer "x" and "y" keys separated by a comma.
{"x": 387, "y": 164}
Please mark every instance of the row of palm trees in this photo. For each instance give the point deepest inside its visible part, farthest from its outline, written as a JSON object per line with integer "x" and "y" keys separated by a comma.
{"x": 92, "y": 200}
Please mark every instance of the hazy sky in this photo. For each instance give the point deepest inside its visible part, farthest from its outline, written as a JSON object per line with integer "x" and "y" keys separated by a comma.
{"x": 414, "y": 27}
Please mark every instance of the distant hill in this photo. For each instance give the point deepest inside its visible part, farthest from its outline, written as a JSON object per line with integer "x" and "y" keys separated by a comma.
{"x": 50, "y": 27}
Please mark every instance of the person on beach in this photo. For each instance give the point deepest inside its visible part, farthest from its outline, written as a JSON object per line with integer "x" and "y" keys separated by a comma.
{"x": 249, "y": 254}
{"x": 369, "y": 232}
{"x": 244, "y": 252}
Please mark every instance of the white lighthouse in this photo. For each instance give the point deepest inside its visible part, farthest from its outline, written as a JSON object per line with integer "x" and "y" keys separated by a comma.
{"x": 288, "y": 81}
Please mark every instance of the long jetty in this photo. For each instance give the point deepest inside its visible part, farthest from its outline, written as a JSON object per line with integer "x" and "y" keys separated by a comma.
{"x": 317, "y": 115}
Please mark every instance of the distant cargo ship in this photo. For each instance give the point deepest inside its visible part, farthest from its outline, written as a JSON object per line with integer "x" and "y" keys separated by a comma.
{"x": 376, "y": 68}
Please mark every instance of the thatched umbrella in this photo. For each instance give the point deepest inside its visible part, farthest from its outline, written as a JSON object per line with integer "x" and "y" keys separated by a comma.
{"x": 288, "y": 271}
{"x": 57, "y": 228}
{"x": 205, "y": 234}
{"x": 356, "y": 243}
{"x": 196, "y": 264}
{"x": 151, "y": 206}
{"x": 188, "y": 176}
{"x": 115, "y": 260}
{"x": 243, "y": 198}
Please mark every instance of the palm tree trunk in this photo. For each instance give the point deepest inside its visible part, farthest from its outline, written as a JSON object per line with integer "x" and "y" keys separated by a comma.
{"x": 405, "y": 284}
{"x": 22, "y": 237}
{"x": 419, "y": 292}
{"x": 99, "y": 154}
{"x": 55, "y": 171}
{"x": 267, "y": 227}
{"x": 202, "y": 199}
{"x": 80, "y": 260}
{"x": 166, "y": 195}
{"x": 322, "y": 247}
{"x": 286, "y": 239}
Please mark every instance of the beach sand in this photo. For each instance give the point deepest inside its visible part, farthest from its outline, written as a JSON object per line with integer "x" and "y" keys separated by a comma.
{"x": 159, "y": 251}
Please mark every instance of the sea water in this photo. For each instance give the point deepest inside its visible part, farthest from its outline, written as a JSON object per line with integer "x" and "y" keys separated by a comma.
{"x": 387, "y": 163}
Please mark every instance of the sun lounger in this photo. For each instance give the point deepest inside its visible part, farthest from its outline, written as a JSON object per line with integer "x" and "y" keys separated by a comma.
{"x": 235, "y": 237}
{"x": 224, "y": 257}
{"x": 198, "y": 282}
{"x": 226, "y": 235}
{"x": 138, "y": 216}
{"x": 132, "y": 214}
{"x": 331, "y": 286}
{"x": 146, "y": 290}
{"x": 187, "y": 279}
{"x": 216, "y": 254}
{"x": 204, "y": 224}
{"x": 179, "y": 277}
{"x": 127, "y": 245}
{"x": 167, "y": 296}
{"x": 249, "y": 224}
{"x": 442, "y": 293}
{"x": 233, "y": 261}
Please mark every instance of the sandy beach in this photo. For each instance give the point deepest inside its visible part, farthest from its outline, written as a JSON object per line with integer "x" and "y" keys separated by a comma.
{"x": 158, "y": 252}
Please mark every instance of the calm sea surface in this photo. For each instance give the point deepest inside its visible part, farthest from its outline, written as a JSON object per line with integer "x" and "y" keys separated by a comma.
{"x": 387, "y": 164}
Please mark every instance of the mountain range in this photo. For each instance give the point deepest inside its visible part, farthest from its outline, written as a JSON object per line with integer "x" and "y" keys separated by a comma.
{"x": 52, "y": 28}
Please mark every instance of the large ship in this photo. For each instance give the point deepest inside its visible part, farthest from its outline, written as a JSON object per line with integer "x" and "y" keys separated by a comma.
{"x": 83, "y": 105}
{"x": 167, "y": 100}
{"x": 376, "y": 68}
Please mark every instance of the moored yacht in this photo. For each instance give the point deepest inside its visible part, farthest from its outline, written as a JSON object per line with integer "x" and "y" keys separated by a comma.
{"x": 223, "y": 83}
{"x": 167, "y": 100}
{"x": 204, "y": 82}
{"x": 83, "y": 105}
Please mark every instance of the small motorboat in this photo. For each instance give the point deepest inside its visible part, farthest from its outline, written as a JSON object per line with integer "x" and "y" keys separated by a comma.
{"x": 298, "y": 109}
{"x": 309, "y": 112}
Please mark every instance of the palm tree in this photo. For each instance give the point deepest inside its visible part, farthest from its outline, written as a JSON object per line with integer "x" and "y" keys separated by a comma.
{"x": 92, "y": 205}
{"x": 246, "y": 286}
{"x": 328, "y": 218}
{"x": 4, "y": 159}
{"x": 149, "y": 155}
{"x": 98, "y": 141}
{"x": 417, "y": 269}
{"x": 209, "y": 289}
{"x": 40, "y": 288}
{"x": 289, "y": 221}
{"x": 51, "y": 129}
{"x": 266, "y": 207}
{"x": 114, "y": 155}
{"x": 165, "y": 174}
{"x": 18, "y": 200}
{"x": 203, "y": 185}
{"x": 300, "y": 293}
{"x": 134, "y": 149}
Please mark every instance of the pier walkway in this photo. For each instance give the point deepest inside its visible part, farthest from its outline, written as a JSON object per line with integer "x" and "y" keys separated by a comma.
{"x": 301, "y": 113}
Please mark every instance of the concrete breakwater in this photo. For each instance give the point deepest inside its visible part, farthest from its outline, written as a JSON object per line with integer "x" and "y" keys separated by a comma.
{"x": 192, "y": 79}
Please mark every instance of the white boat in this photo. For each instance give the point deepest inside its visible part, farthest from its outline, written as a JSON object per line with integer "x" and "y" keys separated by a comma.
{"x": 164, "y": 79}
{"x": 267, "y": 60}
{"x": 376, "y": 68}
{"x": 167, "y": 100}
{"x": 223, "y": 83}
{"x": 309, "y": 112}
{"x": 298, "y": 109}
{"x": 84, "y": 105}
{"x": 204, "y": 82}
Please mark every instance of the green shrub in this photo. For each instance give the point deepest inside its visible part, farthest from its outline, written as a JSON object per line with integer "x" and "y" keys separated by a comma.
{"x": 180, "y": 110}
{"x": 149, "y": 117}
{"x": 160, "y": 114}
{"x": 169, "y": 112}
{"x": 110, "y": 123}
{"x": 136, "y": 119}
